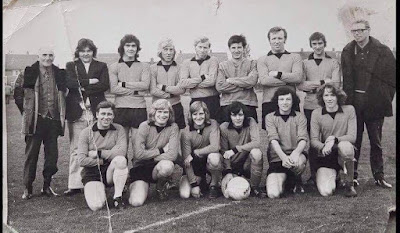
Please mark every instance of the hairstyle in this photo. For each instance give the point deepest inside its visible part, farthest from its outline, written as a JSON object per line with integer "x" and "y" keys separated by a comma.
{"x": 276, "y": 30}
{"x": 196, "y": 106}
{"x": 234, "y": 108}
{"x": 158, "y": 105}
{"x": 284, "y": 90}
{"x": 129, "y": 38}
{"x": 202, "y": 39}
{"x": 317, "y": 36}
{"x": 164, "y": 43}
{"x": 363, "y": 21}
{"x": 341, "y": 95}
{"x": 105, "y": 104}
{"x": 85, "y": 43}
{"x": 237, "y": 39}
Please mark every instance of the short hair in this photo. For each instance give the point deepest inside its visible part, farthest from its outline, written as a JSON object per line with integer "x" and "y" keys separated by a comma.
{"x": 129, "y": 38}
{"x": 340, "y": 94}
{"x": 158, "y": 105}
{"x": 196, "y": 106}
{"x": 164, "y": 43}
{"x": 85, "y": 43}
{"x": 317, "y": 36}
{"x": 202, "y": 39}
{"x": 237, "y": 39}
{"x": 105, "y": 104}
{"x": 276, "y": 30}
{"x": 235, "y": 108}
{"x": 284, "y": 90}
{"x": 363, "y": 21}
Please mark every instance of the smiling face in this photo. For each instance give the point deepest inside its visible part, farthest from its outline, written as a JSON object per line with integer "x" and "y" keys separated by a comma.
{"x": 238, "y": 119}
{"x": 46, "y": 57}
{"x": 86, "y": 55}
{"x": 285, "y": 103}
{"x": 168, "y": 53}
{"x": 330, "y": 99}
{"x": 318, "y": 46}
{"x": 236, "y": 50}
{"x": 199, "y": 117}
{"x": 277, "y": 41}
{"x": 130, "y": 50}
{"x": 202, "y": 50}
{"x": 360, "y": 32}
{"x": 104, "y": 116}
{"x": 161, "y": 117}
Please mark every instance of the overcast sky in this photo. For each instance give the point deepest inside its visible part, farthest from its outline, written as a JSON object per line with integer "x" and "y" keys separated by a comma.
{"x": 62, "y": 24}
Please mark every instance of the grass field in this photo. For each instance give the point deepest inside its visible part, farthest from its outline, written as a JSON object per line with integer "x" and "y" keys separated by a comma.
{"x": 295, "y": 213}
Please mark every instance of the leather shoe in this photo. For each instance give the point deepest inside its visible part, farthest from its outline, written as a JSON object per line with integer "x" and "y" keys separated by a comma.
{"x": 71, "y": 192}
{"x": 382, "y": 183}
{"x": 27, "y": 195}
{"x": 48, "y": 192}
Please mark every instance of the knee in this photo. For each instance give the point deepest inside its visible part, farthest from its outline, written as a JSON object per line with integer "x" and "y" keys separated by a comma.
{"x": 165, "y": 168}
{"x": 272, "y": 185}
{"x": 256, "y": 155}
{"x": 214, "y": 160}
{"x": 273, "y": 193}
{"x": 135, "y": 203}
{"x": 120, "y": 162}
{"x": 346, "y": 150}
{"x": 95, "y": 206}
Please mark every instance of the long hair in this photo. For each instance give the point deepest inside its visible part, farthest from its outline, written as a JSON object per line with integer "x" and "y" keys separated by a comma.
{"x": 284, "y": 91}
{"x": 85, "y": 43}
{"x": 196, "y": 106}
{"x": 158, "y": 105}
{"x": 341, "y": 95}
{"x": 129, "y": 38}
{"x": 234, "y": 108}
{"x": 164, "y": 43}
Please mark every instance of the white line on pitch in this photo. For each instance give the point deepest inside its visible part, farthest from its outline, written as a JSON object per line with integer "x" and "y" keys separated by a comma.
{"x": 159, "y": 223}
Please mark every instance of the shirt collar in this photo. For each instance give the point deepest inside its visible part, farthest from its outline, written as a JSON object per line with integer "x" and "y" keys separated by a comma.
{"x": 153, "y": 124}
{"x": 194, "y": 58}
{"x": 122, "y": 60}
{"x": 95, "y": 128}
{"x": 324, "y": 111}
{"x": 192, "y": 128}
{"x": 292, "y": 113}
{"x": 246, "y": 123}
{"x": 271, "y": 53}
{"x": 311, "y": 56}
{"x": 172, "y": 64}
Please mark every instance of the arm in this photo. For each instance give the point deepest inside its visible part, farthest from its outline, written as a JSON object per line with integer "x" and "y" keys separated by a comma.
{"x": 336, "y": 74}
{"x": 83, "y": 150}
{"x": 114, "y": 87}
{"x": 141, "y": 153}
{"x": 295, "y": 76}
{"x": 315, "y": 132}
{"x": 224, "y": 140}
{"x": 104, "y": 80}
{"x": 211, "y": 77}
{"x": 348, "y": 82}
{"x": 19, "y": 92}
{"x": 154, "y": 90}
{"x": 119, "y": 149}
{"x": 186, "y": 81}
{"x": 172, "y": 153}
{"x": 254, "y": 138}
{"x": 143, "y": 84}
{"x": 221, "y": 85}
{"x": 351, "y": 133}
{"x": 213, "y": 147}
{"x": 302, "y": 134}
{"x": 248, "y": 81}
{"x": 263, "y": 75}
{"x": 176, "y": 89}
{"x": 186, "y": 144}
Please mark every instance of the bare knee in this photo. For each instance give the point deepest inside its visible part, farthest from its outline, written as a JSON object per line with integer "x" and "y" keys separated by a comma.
{"x": 165, "y": 168}
{"x": 256, "y": 155}
{"x": 95, "y": 206}
{"x": 273, "y": 190}
{"x": 214, "y": 160}
{"x": 346, "y": 150}
{"x": 120, "y": 162}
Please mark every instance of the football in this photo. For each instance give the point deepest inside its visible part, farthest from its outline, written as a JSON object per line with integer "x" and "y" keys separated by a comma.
{"x": 238, "y": 188}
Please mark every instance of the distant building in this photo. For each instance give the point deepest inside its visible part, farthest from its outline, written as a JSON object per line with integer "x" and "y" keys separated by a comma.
{"x": 180, "y": 57}
{"x": 15, "y": 64}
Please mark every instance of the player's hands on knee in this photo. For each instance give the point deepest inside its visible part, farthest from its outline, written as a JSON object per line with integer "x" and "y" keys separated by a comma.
{"x": 286, "y": 162}
{"x": 328, "y": 147}
{"x": 188, "y": 160}
{"x": 294, "y": 157}
{"x": 228, "y": 154}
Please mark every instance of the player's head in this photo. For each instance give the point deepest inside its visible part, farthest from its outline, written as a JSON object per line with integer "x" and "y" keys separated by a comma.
{"x": 161, "y": 113}
{"x": 285, "y": 98}
{"x": 198, "y": 113}
{"x": 85, "y": 50}
{"x": 329, "y": 96}
{"x": 202, "y": 47}
{"x": 360, "y": 29}
{"x": 317, "y": 42}
{"x": 166, "y": 50}
{"x": 105, "y": 114}
{"x": 277, "y": 37}
{"x": 129, "y": 46}
{"x": 237, "y": 45}
{"x": 237, "y": 114}
{"x": 46, "y": 56}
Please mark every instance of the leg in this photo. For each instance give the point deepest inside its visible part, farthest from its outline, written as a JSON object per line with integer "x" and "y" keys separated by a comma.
{"x": 138, "y": 192}
{"x": 360, "y": 130}
{"x": 184, "y": 187}
{"x": 326, "y": 181}
{"x": 275, "y": 182}
{"x": 298, "y": 170}
{"x": 162, "y": 172}
{"x": 95, "y": 195}
{"x": 50, "y": 151}
{"x": 74, "y": 177}
{"x": 255, "y": 167}
{"x": 346, "y": 160}
{"x": 132, "y": 133}
{"x": 214, "y": 165}
{"x": 374, "y": 129}
{"x": 117, "y": 174}
{"x": 32, "y": 154}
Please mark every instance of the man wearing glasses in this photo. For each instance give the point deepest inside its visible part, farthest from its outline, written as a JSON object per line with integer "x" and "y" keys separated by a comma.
{"x": 369, "y": 80}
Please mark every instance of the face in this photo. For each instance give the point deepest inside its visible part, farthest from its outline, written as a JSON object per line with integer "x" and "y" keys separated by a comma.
{"x": 199, "y": 117}
{"x": 46, "y": 58}
{"x": 237, "y": 119}
{"x": 161, "y": 116}
{"x": 86, "y": 55}
{"x": 202, "y": 49}
{"x": 329, "y": 98}
{"x": 285, "y": 103}
{"x": 130, "y": 49}
{"x": 236, "y": 50}
{"x": 277, "y": 41}
{"x": 360, "y": 32}
{"x": 105, "y": 116}
{"x": 318, "y": 46}
{"x": 167, "y": 54}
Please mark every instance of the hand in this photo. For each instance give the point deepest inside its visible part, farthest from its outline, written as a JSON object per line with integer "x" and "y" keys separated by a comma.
{"x": 196, "y": 152}
{"x": 228, "y": 80}
{"x": 273, "y": 73}
{"x": 119, "y": 84}
{"x": 328, "y": 148}
{"x": 93, "y": 81}
{"x": 165, "y": 148}
{"x": 294, "y": 158}
{"x": 228, "y": 154}
{"x": 286, "y": 162}
{"x": 195, "y": 192}
{"x": 93, "y": 154}
{"x": 188, "y": 160}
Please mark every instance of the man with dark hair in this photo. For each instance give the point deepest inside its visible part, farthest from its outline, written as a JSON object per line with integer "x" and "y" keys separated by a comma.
{"x": 237, "y": 78}
{"x": 319, "y": 68}
{"x": 43, "y": 118}
{"x": 277, "y": 68}
{"x": 369, "y": 80}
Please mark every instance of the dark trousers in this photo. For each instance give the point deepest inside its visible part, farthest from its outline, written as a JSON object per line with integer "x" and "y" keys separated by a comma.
{"x": 374, "y": 129}
{"x": 47, "y": 130}
{"x": 95, "y": 99}
{"x": 312, "y": 152}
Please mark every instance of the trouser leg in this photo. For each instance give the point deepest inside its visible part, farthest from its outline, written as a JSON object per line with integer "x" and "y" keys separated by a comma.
{"x": 360, "y": 131}
{"x": 74, "y": 177}
{"x": 374, "y": 128}
{"x": 50, "y": 151}
{"x": 32, "y": 154}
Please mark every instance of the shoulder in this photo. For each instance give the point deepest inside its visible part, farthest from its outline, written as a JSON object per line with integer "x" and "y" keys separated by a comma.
{"x": 317, "y": 111}
{"x": 144, "y": 126}
{"x": 186, "y": 62}
{"x": 262, "y": 58}
{"x": 295, "y": 56}
{"x": 214, "y": 123}
{"x": 224, "y": 126}
{"x": 114, "y": 65}
{"x": 252, "y": 122}
{"x": 145, "y": 65}
{"x": 214, "y": 59}
{"x": 118, "y": 126}
{"x": 348, "y": 47}
{"x": 348, "y": 108}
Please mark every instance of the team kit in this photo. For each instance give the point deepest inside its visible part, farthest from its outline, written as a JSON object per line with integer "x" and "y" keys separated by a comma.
{"x": 218, "y": 143}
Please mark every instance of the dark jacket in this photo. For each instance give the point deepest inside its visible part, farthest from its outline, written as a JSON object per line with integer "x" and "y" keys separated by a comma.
{"x": 31, "y": 97}
{"x": 381, "y": 78}
{"x": 19, "y": 92}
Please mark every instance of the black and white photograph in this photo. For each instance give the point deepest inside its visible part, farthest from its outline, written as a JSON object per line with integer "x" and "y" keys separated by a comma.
{"x": 199, "y": 116}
